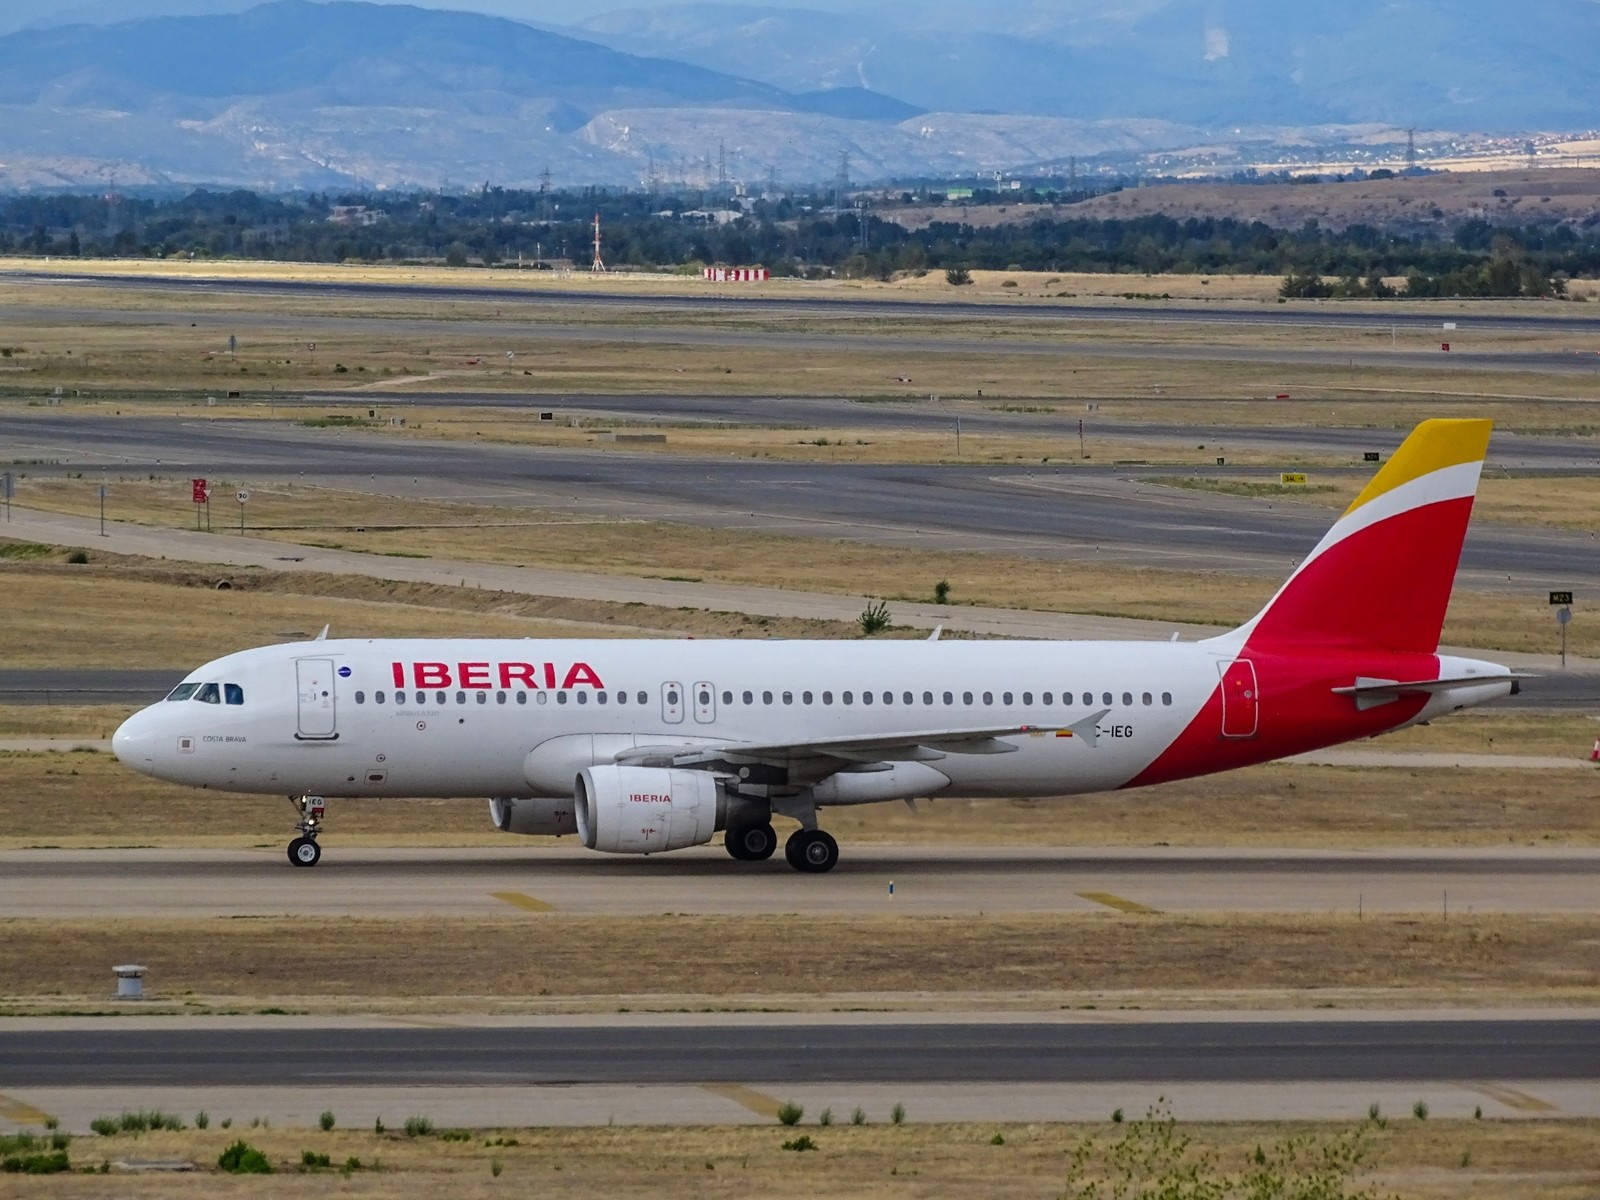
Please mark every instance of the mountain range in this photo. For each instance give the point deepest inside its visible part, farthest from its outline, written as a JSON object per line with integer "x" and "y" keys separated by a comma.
{"x": 295, "y": 94}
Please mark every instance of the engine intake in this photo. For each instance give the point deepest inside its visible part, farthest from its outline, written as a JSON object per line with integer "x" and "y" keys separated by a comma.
{"x": 644, "y": 810}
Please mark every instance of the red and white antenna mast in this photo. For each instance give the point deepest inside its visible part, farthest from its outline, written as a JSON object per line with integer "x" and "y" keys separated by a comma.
{"x": 598, "y": 265}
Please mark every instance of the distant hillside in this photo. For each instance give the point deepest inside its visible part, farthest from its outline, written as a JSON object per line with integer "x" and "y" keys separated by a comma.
{"x": 1484, "y": 65}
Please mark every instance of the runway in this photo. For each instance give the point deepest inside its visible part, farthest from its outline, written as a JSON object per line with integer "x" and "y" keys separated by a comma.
{"x": 796, "y": 1052}
{"x": 1045, "y": 511}
{"x": 563, "y": 879}
{"x": 1169, "y": 312}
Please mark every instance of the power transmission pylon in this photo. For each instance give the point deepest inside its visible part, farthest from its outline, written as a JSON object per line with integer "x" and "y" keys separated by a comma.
{"x": 598, "y": 266}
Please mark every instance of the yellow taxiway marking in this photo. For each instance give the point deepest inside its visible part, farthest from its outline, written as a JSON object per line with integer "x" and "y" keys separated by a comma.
{"x": 20, "y": 1112}
{"x": 524, "y": 902}
{"x": 1512, "y": 1098}
{"x": 759, "y": 1103}
{"x": 1117, "y": 902}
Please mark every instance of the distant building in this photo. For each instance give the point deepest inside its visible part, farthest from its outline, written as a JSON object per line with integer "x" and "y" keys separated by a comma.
{"x": 355, "y": 214}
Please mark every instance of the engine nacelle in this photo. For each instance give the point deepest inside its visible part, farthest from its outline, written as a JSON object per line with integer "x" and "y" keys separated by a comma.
{"x": 549, "y": 815}
{"x": 644, "y": 810}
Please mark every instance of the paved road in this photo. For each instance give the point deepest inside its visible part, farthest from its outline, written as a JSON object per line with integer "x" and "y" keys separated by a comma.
{"x": 799, "y": 1053}
{"x": 100, "y": 685}
{"x": 1507, "y": 450}
{"x": 1548, "y": 317}
{"x": 397, "y": 883}
{"x": 1049, "y": 512}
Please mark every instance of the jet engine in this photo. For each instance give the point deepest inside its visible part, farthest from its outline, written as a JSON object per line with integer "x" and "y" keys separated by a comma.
{"x": 551, "y": 815}
{"x": 643, "y": 810}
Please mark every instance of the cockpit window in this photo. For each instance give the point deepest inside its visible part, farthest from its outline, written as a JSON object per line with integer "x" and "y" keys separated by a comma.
{"x": 183, "y": 691}
{"x": 233, "y": 693}
{"x": 208, "y": 694}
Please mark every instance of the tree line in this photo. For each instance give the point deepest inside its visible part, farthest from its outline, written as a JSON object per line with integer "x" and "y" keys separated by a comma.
{"x": 794, "y": 234}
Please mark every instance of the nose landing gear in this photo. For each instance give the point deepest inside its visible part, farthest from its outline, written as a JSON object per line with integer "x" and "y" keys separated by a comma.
{"x": 304, "y": 851}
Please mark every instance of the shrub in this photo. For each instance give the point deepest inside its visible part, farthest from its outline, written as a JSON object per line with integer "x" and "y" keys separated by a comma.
{"x": 326, "y": 1120}
{"x": 790, "y": 1113}
{"x": 941, "y": 592}
{"x": 202, "y": 1119}
{"x": 1419, "y": 1110}
{"x": 49, "y": 1162}
{"x": 825, "y": 1117}
{"x": 495, "y": 1168}
{"x": 377, "y": 1125}
{"x": 803, "y": 1142}
{"x": 78, "y": 557}
{"x": 311, "y": 1160}
{"x": 958, "y": 276}
{"x": 455, "y": 1135}
{"x": 1116, "y": 1116}
{"x": 858, "y": 1117}
{"x": 874, "y": 618}
{"x": 105, "y": 1126}
{"x": 242, "y": 1158}
{"x": 897, "y": 1114}
{"x": 998, "y": 1139}
{"x": 418, "y": 1126}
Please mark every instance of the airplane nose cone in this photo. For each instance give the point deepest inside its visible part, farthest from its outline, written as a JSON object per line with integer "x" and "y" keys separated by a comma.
{"x": 134, "y": 743}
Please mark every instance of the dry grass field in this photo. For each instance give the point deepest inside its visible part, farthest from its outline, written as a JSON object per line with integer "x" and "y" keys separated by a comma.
{"x": 1407, "y": 1159}
{"x": 684, "y": 962}
{"x": 382, "y": 526}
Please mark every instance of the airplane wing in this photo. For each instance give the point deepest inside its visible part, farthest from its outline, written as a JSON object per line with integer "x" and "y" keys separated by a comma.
{"x": 925, "y": 745}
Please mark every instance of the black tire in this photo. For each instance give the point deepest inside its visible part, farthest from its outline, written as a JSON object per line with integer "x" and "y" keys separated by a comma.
{"x": 304, "y": 852}
{"x": 811, "y": 851}
{"x": 751, "y": 843}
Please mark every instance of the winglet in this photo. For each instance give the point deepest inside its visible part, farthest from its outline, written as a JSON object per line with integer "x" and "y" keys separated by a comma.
{"x": 323, "y": 636}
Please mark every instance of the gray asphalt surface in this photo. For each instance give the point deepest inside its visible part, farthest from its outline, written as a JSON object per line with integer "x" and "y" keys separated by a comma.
{"x": 1050, "y": 512}
{"x": 1550, "y": 317}
{"x": 1508, "y": 451}
{"x": 798, "y": 1053}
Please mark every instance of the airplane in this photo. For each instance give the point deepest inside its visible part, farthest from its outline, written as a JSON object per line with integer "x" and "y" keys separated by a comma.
{"x": 645, "y": 746}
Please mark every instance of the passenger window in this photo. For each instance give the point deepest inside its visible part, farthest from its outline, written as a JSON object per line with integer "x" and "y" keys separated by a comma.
{"x": 766, "y": 697}
{"x": 1166, "y": 698}
{"x": 1105, "y": 698}
{"x": 672, "y": 697}
{"x": 1006, "y": 698}
{"x": 499, "y": 697}
{"x": 866, "y": 697}
{"x": 1148, "y": 700}
{"x": 622, "y": 697}
{"x": 600, "y": 698}
{"x": 805, "y": 697}
{"x": 788, "y": 697}
{"x": 522, "y": 697}
{"x": 827, "y": 697}
{"x": 183, "y": 691}
{"x": 208, "y": 694}
{"x": 966, "y": 697}
{"x": 988, "y": 697}
{"x": 483, "y": 697}
{"x": 361, "y": 697}
{"x": 1046, "y": 698}
{"x": 461, "y": 697}
{"x": 542, "y": 697}
{"x": 949, "y": 698}
{"x": 233, "y": 693}
{"x": 1127, "y": 699}
{"x": 399, "y": 697}
{"x": 583, "y": 697}
{"x": 440, "y": 698}
{"x": 749, "y": 697}
{"x": 377, "y": 697}
{"x": 888, "y": 697}
{"x": 846, "y": 698}
{"x": 561, "y": 697}
{"x": 1088, "y": 698}
{"x": 727, "y": 697}
{"x": 643, "y": 697}
{"x": 927, "y": 698}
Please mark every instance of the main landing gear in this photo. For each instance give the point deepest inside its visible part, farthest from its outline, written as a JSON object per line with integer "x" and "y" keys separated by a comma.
{"x": 750, "y": 843}
{"x": 808, "y": 850}
{"x": 811, "y": 850}
{"x": 304, "y": 851}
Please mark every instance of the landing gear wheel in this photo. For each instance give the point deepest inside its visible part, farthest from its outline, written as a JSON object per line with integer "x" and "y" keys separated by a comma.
{"x": 303, "y": 852}
{"x": 811, "y": 851}
{"x": 750, "y": 843}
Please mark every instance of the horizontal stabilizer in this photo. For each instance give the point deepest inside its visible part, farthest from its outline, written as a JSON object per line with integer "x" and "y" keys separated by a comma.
{"x": 1369, "y": 693}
